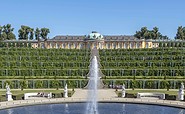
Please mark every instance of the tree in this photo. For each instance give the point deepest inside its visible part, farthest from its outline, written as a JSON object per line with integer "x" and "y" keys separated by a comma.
{"x": 11, "y": 36}
{"x": 44, "y": 33}
{"x": 21, "y": 33}
{"x": 1, "y": 29}
{"x": 7, "y": 32}
{"x": 25, "y": 33}
{"x": 180, "y": 33}
{"x": 138, "y": 35}
{"x": 144, "y": 33}
{"x": 31, "y": 33}
{"x": 155, "y": 33}
{"x": 37, "y": 34}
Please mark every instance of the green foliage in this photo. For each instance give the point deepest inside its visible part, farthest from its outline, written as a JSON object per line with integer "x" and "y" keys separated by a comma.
{"x": 165, "y": 85}
{"x": 55, "y": 84}
{"x": 9, "y": 83}
{"x": 39, "y": 84}
{"x": 6, "y": 32}
{"x": 23, "y": 84}
{"x": 161, "y": 62}
{"x": 133, "y": 84}
{"x": 43, "y": 62}
{"x": 3, "y": 98}
{"x": 37, "y": 34}
{"x": 25, "y": 33}
{"x": 144, "y": 33}
{"x": 44, "y": 33}
{"x": 71, "y": 66}
{"x": 180, "y": 35}
{"x": 18, "y": 97}
{"x": 149, "y": 84}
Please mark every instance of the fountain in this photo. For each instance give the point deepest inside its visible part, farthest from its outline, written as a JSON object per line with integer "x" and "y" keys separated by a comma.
{"x": 92, "y": 87}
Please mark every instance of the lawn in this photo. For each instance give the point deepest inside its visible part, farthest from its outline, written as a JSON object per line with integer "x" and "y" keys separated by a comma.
{"x": 170, "y": 92}
{"x": 18, "y": 91}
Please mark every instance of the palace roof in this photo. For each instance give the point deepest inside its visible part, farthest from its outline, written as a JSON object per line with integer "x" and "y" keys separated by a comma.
{"x": 105, "y": 38}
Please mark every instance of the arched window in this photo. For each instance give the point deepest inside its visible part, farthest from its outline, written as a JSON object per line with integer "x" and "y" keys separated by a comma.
{"x": 114, "y": 45}
{"x": 57, "y": 45}
{"x": 147, "y": 45}
{"x": 131, "y": 45}
{"x": 69, "y": 45}
{"x": 126, "y": 45}
{"x": 63, "y": 45}
{"x": 137, "y": 45}
{"x": 81, "y": 45}
{"x": 109, "y": 45}
{"x": 75, "y": 45}
{"x": 119, "y": 45}
{"x": 88, "y": 46}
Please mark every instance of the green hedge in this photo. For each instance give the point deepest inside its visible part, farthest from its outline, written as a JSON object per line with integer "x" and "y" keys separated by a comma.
{"x": 146, "y": 84}
{"x": 2, "y": 98}
{"x": 39, "y": 84}
{"x": 60, "y": 95}
{"x": 18, "y": 97}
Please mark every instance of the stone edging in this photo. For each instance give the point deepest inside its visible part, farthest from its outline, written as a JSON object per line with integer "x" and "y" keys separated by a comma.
{"x": 19, "y": 103}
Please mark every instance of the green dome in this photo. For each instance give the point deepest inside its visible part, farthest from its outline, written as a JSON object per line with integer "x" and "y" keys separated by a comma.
{"x": 95, "y": 36}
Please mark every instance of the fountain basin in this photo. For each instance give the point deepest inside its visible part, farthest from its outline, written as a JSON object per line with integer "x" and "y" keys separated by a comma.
{"x": 103, "y": 108}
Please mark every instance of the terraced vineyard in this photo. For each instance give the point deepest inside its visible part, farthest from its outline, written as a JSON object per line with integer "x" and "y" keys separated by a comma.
{"x": 144, "y": 68}
{"x": 156, "y": 68}
{"x": 43, "y": 68}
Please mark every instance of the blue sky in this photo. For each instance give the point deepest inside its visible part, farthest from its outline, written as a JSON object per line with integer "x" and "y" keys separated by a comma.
{"x": 80, "y": 17}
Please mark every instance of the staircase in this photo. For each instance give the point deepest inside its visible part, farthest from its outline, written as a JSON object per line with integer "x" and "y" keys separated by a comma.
{"x": 95, "y": 52}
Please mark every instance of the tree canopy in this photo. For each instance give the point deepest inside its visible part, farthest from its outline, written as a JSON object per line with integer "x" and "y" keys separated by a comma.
{"x": 37, "y": 34}
{"x": 26, "y": 32}
{"x": 144, "y": 33}
{"x": 180, "y": 35}
{"x": 44, "y": 33}
{"x": 6, "y": 32}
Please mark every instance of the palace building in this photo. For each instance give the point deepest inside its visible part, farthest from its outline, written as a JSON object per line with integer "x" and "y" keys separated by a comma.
{"x": 91, "y": 41}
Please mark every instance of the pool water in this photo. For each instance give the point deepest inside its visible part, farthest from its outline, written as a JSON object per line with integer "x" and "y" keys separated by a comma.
{"x": 103, "y": 108}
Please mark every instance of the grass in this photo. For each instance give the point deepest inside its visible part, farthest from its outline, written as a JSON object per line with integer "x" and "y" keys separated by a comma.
{"x": 17, "y": 94}
{"x": 170, "y": 92}
{"x": 18, "y": 91}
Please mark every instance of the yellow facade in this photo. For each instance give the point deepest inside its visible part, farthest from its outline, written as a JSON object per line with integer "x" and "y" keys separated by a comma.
{"x": 96, "y": 44}
{"x": 93, "y": 40}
